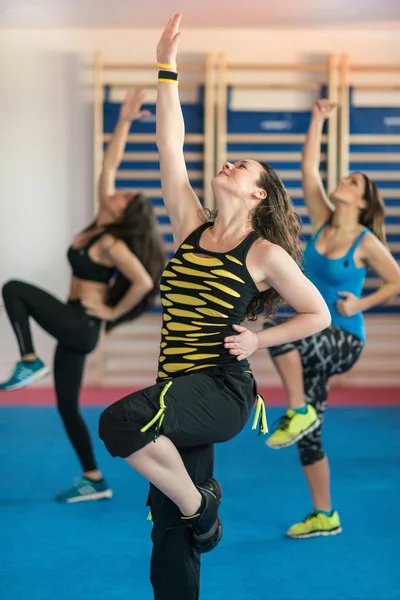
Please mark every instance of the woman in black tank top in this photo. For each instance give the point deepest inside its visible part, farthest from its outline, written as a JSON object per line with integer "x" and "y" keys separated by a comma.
{"x": 116, "y": 264}
{"x": 228, "y": 268}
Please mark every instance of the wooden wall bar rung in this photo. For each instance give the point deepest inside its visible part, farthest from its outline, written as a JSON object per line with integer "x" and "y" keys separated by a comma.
{"x": 270, "y": 156}
{"x": 156, "y": 192}
{"x": 160, "y": 211}
{"x": 294, "y": 175}
{"x": 389, "y": 193}
{"x": 277, "y": 67}
{"x": 374, "y": 139}
{"x": 395, "y": 246}
{"x": 150, "y": 174}
{"x": 128, "y": 354}
{"x": 126, "y": 336}
{"x": 148, "y": 85}
{"x": 377, "y": 87}
{"x": 375, "y": 68}
{"x": 150, "y": 138}
{"x": 129, "y": 373}
{"x": 382, "y": 176}
{"x": 149, "y": 66}
{"x": 154, "y": 156}
{"x": 312, "y": 87}
{"x": 382, "y": 157}
{"x": 373, "y": 282}
{"x": 393, "y": 302}
{"x": 265, "y": 138}
{"x": 392, "y": 211}
{"x": 144, "y": 157}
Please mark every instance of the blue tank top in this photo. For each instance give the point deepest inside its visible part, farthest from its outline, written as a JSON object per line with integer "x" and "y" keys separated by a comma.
{"x": 333, "y": 275}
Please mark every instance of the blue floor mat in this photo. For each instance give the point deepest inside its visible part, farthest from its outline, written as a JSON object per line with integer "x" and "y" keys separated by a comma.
{"x": 100, "y": 550}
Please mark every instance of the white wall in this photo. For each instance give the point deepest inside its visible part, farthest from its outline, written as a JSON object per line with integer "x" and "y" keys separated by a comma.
{"x": 45, "y": 171}
{"x": 46, "y": 190}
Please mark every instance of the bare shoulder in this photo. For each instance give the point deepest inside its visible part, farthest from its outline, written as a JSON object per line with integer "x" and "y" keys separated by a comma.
{"x": 265, "y": 261}
{"x": 370, "y": 244}
{"x": 265, "y": 251}
{"x": 114, "y": 248}
{"x": 107, "y": 241}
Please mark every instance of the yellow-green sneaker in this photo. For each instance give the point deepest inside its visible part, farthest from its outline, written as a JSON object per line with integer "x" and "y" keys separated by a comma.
{"x": 292, "y": 427}
{"x": 315, "y": 524}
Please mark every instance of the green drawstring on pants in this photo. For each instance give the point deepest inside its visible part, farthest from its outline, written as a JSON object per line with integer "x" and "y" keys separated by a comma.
{"x": 160, "y": 418}
{"x": 261, "y": 416}
{"x": 160, "y": 415}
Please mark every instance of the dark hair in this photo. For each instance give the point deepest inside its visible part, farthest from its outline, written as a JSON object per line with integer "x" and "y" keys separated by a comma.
{"x": 275, "y": 220}
{"x": 138, "y": 230}
{"x": 373, "y": 215}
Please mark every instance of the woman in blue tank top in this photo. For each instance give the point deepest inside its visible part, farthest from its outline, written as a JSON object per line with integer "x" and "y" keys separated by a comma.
{"x": 348, "y": 239}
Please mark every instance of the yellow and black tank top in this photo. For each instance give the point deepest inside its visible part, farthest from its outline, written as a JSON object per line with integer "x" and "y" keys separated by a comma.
{"x": 203, "y": 294}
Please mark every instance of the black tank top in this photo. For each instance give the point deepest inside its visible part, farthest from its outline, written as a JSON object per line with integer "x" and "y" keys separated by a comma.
{"x": 83, "y": 267}
{"x": 202, "y": 297}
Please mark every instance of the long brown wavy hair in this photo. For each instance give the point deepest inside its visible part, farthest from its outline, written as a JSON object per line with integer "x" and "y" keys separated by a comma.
{"x": 373, "y": 215}
{"x": 275, "y": 220}
{"x": 139, "y": 231}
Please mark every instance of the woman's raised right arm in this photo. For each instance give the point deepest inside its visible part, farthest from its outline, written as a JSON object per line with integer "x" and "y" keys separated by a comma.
{"x": 315, "y": 197}
{"x": 182, "y": 204}
{"x": 131, "y": 110}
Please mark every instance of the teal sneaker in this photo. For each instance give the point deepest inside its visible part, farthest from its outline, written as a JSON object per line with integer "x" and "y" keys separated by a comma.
{"x": 86, "y": 489}
{"x": 24, "y": 374}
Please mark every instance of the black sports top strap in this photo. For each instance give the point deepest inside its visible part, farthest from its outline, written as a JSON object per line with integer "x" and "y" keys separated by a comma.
{"x": 240, "y": 251}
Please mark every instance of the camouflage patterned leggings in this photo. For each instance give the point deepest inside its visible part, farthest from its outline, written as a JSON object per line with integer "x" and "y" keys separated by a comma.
{"x": 330, "y": 352}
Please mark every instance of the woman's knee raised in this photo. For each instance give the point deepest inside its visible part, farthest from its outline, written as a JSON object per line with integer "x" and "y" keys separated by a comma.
{"x": 121, "y": 424}
{"x": 12, "y": 287}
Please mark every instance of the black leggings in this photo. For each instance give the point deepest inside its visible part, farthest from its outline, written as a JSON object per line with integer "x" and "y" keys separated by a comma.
{"x": 332, "y": 351}
{"x": 77, "y": 335}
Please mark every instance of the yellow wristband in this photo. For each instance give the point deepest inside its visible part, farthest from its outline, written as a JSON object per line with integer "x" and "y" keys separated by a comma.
{"x": 169, "y": 81}
{"x": 166, "y": 66}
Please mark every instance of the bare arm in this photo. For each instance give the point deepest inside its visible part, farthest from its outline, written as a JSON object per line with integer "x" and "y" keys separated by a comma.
{"x": 118, "y": 253}
{"x": 130, "y": 111}
{"x": 379, "y": 259}
{"x": 283, "y": 274}
{"x": 315, "y": 197}
{"x": 130, "y": 266}
{"x": 286, "y": 278}
{"x": 182, "y": 204}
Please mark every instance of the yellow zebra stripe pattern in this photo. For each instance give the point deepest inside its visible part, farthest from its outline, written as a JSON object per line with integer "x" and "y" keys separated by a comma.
{"x": 203, "y": 294}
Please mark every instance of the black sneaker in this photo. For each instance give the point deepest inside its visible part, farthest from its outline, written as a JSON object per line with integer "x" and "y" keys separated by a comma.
{"x": 207, "y": 529}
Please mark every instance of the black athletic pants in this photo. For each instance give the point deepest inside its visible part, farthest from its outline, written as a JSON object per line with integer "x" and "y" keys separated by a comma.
{"x": 201, "y": 409}
{"x": 77, "y": 335}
